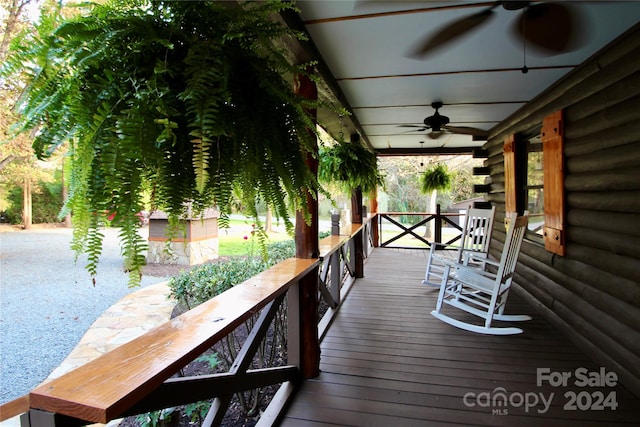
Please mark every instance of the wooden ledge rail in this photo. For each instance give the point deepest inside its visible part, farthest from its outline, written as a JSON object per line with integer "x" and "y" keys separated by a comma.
{"x": 351, "y": 230}
{"x": 108, "y": 386}
{"x": 331, "y": 244}
{"x": 14, "y": 407}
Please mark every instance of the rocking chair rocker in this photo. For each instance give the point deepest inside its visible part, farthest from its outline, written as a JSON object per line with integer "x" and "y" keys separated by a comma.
{"x": 481, "y": 292}
{"x": 475, "y": 239}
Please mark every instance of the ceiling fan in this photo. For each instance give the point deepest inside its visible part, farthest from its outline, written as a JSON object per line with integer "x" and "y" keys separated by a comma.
{"x": 552, "y": 26}
{"x": 439, "y": 125}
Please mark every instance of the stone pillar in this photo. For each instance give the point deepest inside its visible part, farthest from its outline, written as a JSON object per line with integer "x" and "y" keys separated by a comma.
{"x": 194, "y": 244}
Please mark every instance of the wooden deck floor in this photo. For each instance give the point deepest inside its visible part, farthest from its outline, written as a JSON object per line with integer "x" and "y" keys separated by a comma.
{"x": 387, "y": 362}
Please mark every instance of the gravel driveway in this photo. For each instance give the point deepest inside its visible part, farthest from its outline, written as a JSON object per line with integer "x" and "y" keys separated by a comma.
{"x": 47, "y": 301}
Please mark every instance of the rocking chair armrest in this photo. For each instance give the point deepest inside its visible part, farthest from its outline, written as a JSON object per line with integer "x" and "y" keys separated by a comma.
{"x": 470, "y": 258}
{"x": 447, "y": 261}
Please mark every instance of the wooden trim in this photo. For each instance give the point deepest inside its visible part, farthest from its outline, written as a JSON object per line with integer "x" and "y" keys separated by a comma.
{"x": 554, "y": 196}
{"x": 479, "y": 153}
{"x": 14, "y": 407}
{"x": 422, "y": 151}
{"x": 455, "y": 72}
{"x": 330, "y": 244}
{"x": 394, "y": 13}
{"x": 185, "y": 390}
{"x": 481, "y": 188}
{"x": 278, "y": 404}
{"x": 481, "y": 170}
{"x": 510, "y": 167}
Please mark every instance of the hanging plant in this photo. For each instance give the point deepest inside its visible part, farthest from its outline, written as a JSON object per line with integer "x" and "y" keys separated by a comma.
{"x": 437, "y": 177}
{"x": 351, "y": 165}
{"x": 187, "y": 98}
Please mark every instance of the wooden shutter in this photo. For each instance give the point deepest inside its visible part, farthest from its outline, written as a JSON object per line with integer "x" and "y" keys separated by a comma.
{"x": 510, "y": 189}
{"x": 554, "y": 199}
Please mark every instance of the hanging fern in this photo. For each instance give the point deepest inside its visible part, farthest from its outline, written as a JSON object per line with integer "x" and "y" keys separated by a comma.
{"x": 436, "y": 177}
{"x": 351, "y": 165}
{"x": 190, "y": 99}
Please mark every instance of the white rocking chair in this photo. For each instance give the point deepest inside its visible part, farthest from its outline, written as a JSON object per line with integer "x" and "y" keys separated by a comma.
{"x": 481, "y": 292}
{"x": 476, "y": 236}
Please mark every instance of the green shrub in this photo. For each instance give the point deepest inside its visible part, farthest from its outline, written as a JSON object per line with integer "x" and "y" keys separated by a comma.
{"x": 205, "y": 281}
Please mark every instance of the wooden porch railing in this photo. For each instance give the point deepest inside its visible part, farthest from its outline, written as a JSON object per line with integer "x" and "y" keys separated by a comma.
{"x": 341, "y": 257}
{"x": 391, "y": 221}
{"x": 140, "y": 376}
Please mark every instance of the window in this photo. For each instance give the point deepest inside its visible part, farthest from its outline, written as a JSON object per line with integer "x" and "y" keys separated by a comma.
{"x": 534, "y": 186}
{"x": 534, "y": 181}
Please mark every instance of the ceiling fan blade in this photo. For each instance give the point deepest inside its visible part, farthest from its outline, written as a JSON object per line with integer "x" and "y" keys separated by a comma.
{"x": 466, "y": 130}
{"x": 451, "y": 32}
{"x": 422, "y": 129}
{"x": 410, "y": 126}
{"x": 553, "y": 27}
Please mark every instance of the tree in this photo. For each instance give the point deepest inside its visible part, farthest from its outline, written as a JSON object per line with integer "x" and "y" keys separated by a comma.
{"x": 17, "y": 160}
{"x": 13, "y": 12}
{"x": 189, "y": 97}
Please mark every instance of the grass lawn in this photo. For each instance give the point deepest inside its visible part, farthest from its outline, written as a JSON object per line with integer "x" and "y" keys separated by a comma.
{"x": 237, "y": 239}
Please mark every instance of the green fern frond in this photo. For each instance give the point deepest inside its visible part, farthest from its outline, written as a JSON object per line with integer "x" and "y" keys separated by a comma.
{"x": 436, "y": 177}
{"x": 351, "y": 165}
{"x": 191, "y": 111}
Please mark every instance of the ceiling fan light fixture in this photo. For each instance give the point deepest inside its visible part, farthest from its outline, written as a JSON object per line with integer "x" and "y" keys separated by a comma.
{"x": 515, "y": 5}
{"x": 436, "y": 121}
{"x": 435, "y": 134}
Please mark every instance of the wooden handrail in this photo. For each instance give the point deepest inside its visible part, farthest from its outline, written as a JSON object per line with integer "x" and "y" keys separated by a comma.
{"x": 14, "y": 407}
{"x": 352, "y": 230}
{"x": 106, "y": 387}
{"x": 331, "y": 244}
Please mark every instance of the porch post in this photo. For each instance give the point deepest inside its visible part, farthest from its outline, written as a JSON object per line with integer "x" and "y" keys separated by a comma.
{"x": 373, "y": 208}
{"x": 438, "y": 225}
{"x": 307, "y": 246}
{"x": 356, "y": 218}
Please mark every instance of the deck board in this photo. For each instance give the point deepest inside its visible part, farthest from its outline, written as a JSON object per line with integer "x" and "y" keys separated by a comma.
{"x": 386, "y": 361}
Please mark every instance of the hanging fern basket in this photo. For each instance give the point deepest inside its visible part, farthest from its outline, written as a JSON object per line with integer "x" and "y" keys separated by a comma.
{"x": 435, "y": 178}
{"x": 185, "y": 113}
{"x": 350, "y": 165}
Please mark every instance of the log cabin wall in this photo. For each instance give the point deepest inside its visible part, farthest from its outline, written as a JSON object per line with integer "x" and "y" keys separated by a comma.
{"x": 593, "y": 292}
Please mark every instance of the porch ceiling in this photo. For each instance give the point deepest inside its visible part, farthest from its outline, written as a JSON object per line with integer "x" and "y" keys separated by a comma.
{"x": 364, "y": 48}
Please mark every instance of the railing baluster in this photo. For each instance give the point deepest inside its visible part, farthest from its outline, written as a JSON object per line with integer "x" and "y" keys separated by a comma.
{"x": 244, "y": 358}
{"x": 438, "y": 217}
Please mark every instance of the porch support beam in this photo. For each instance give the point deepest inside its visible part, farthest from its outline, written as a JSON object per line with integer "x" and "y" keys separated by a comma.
{"x": 307, "y": 246}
